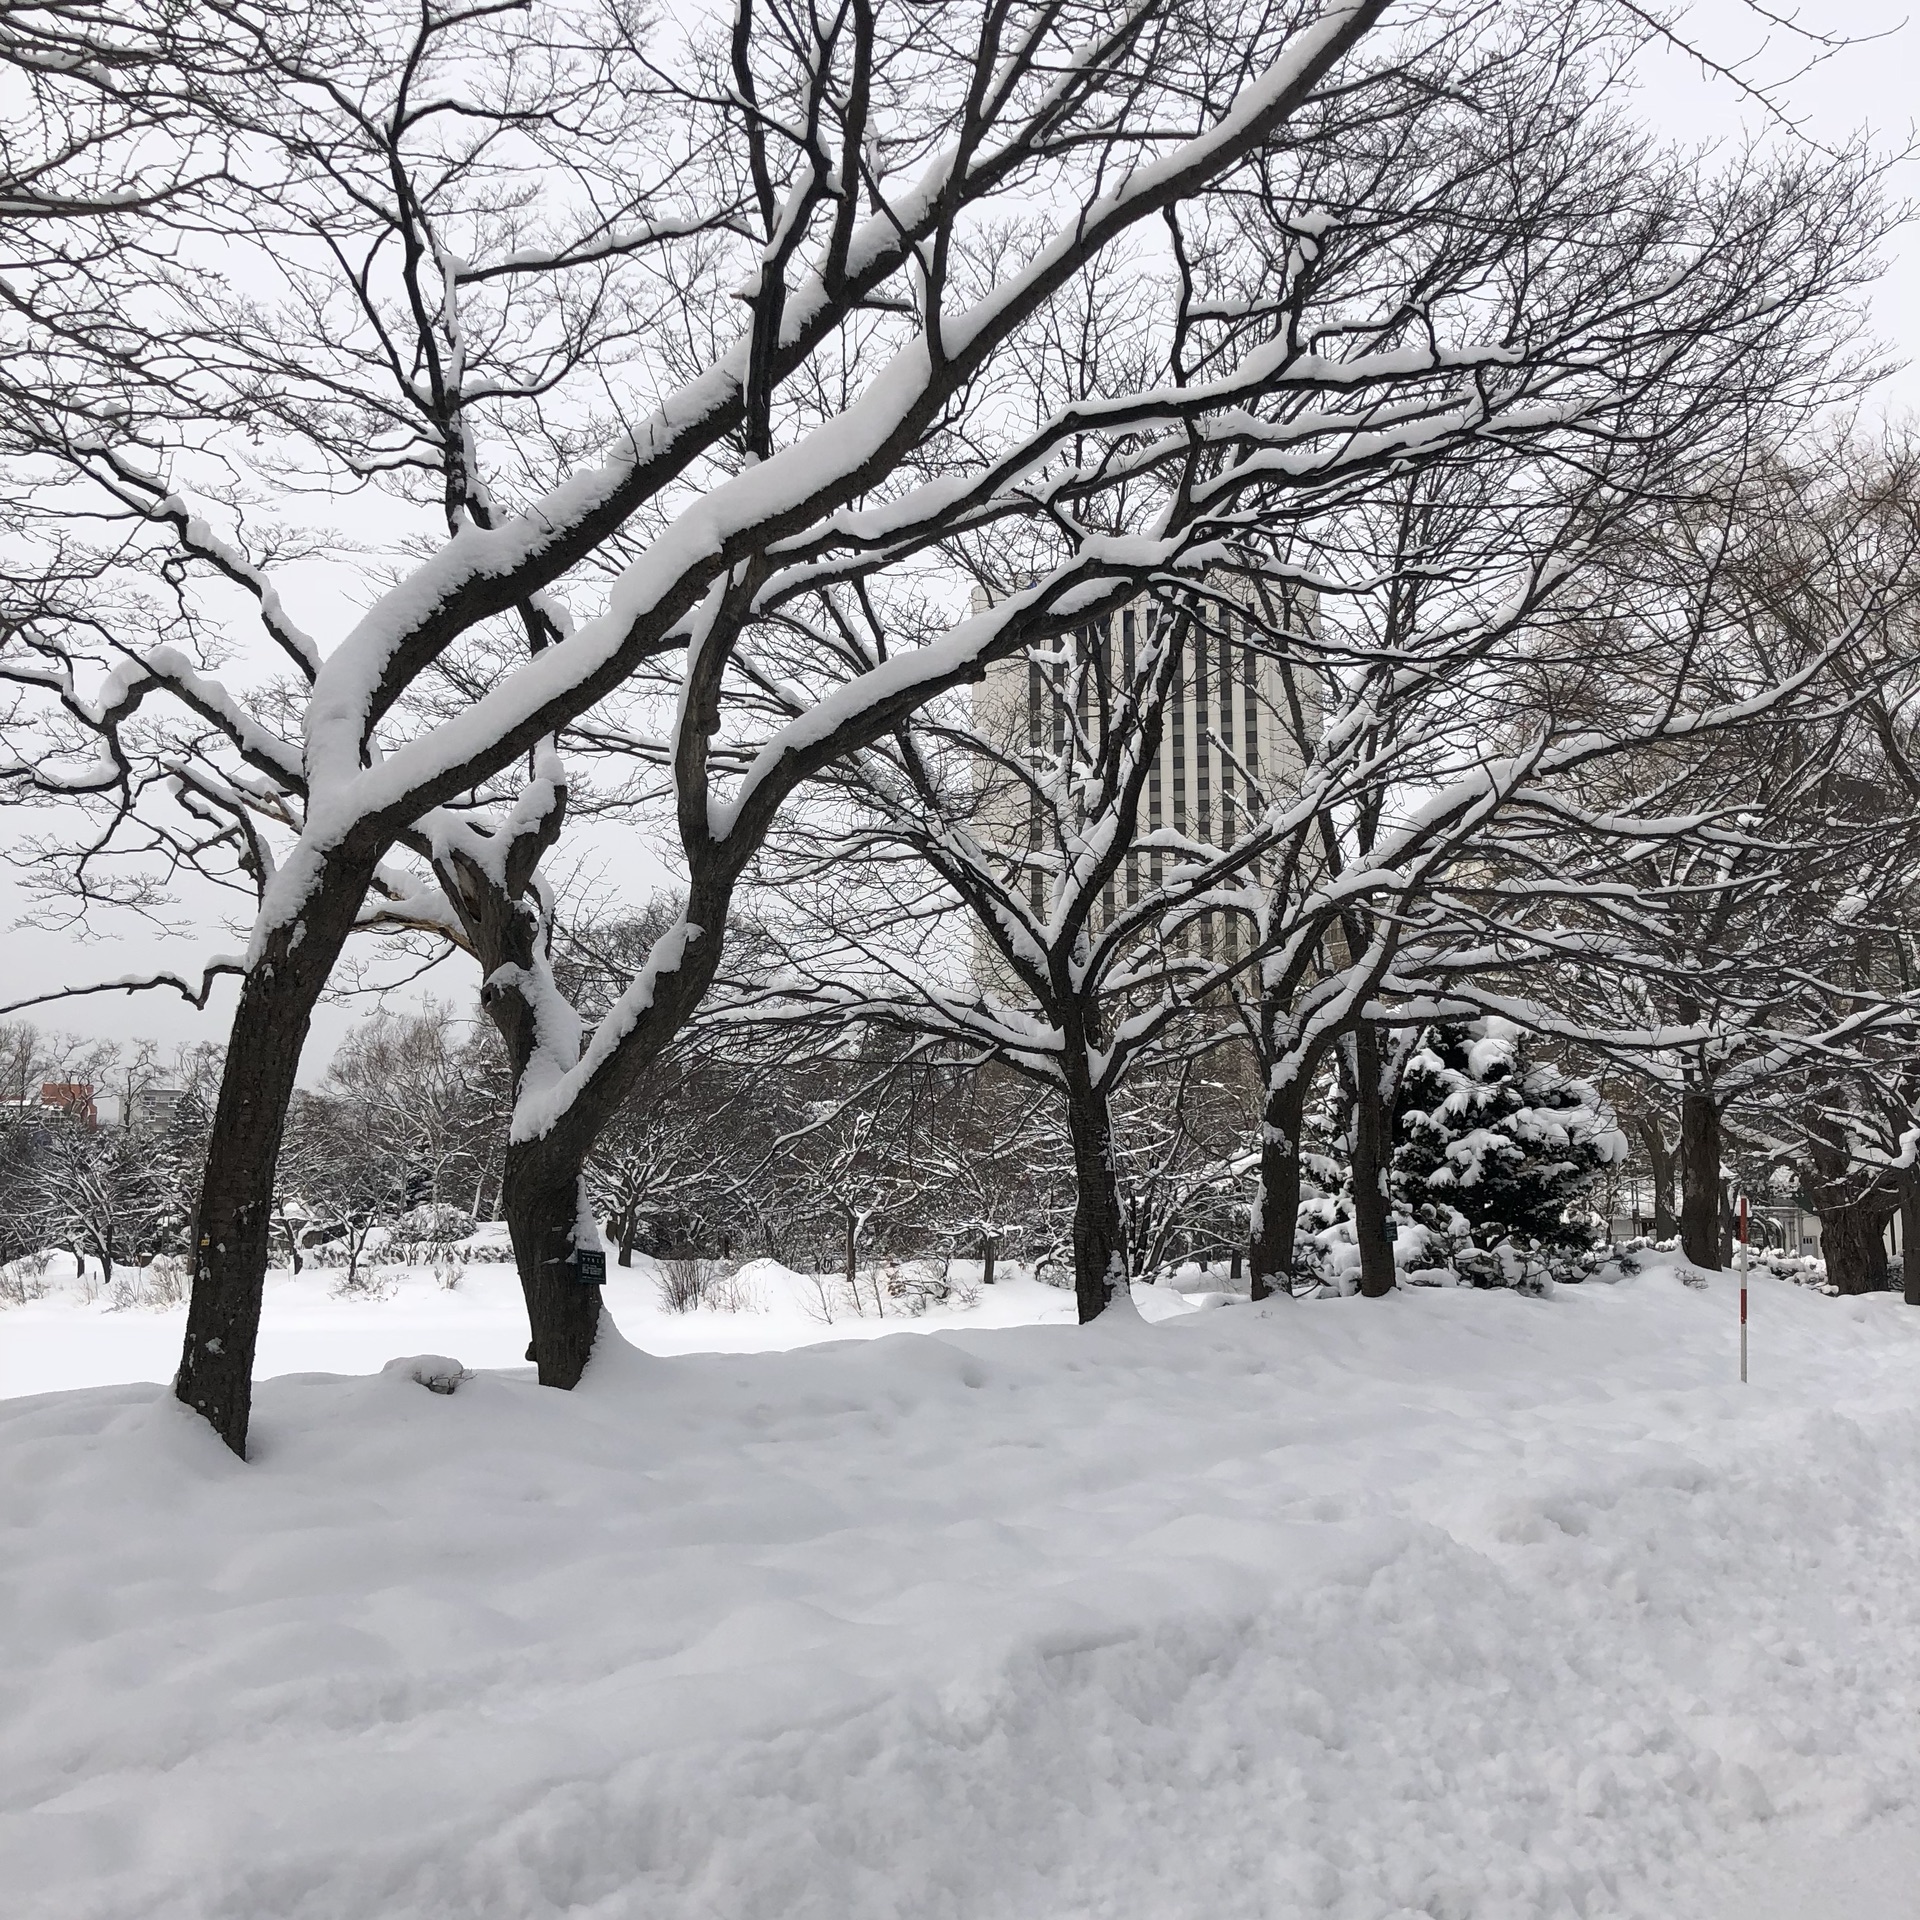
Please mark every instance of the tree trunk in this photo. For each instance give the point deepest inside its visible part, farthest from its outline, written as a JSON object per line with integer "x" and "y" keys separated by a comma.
{"x": 851, "y": 1247}
{"x": 629, "y": 1229}
{"x": 1910, "y": 1235}
{"x": 989, "y": 1248}
{"x": 233, "y": 1220}
{"x": 1851, "y": 1241}
{"x": 1661, "y": 1158}
{"x": 1099, "y": 1220}
{"x": 1270, "y": 1245}
{"x": 1700, "y": 1179}
{"x": 563, "y": 1311}
{"x": 1372, "y": 1155}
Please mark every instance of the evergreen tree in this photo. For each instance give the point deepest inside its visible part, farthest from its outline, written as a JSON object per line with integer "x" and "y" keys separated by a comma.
{"x": 1496, "y": 1152}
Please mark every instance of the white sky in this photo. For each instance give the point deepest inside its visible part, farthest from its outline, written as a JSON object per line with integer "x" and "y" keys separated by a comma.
{"x": 1870, "y": 85}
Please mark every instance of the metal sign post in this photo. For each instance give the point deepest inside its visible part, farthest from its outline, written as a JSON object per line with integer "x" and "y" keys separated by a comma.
{"x": 1743, "y": 1289}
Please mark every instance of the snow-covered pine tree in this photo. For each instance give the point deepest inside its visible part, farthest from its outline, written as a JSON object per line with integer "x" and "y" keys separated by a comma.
{"x": 1495, "y": 1152}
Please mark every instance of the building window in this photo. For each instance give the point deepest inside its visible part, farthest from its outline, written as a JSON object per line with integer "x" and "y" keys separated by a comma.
{"x": 1250, "y": 742}
{"x": 1200, "y": 720}
{"x": 1182, "y": 712}
{"x": 1226, "y": 736}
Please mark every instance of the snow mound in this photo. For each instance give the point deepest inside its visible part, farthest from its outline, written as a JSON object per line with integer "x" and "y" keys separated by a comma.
{"x": 434, "y": 1371}
{"x": 1455, "y": 1604}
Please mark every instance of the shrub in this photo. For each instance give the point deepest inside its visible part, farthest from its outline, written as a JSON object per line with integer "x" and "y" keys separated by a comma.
{"x": 24, "y": 1279}
{"x": 685, "y": 1281}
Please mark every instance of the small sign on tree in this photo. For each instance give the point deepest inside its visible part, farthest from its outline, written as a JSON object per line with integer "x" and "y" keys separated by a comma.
{"x": 590, "y": 1268}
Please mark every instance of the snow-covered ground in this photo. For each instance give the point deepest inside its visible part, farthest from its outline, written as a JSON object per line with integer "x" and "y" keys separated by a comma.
{"x": 76, "y": 1336}
{"x": 1462, "y": 1605}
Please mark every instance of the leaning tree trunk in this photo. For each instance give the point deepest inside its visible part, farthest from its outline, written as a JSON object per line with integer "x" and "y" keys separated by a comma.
{"x": 1372, "y": 1155}
{"x": 233, "y": 1218}
{"x": 1099, "y": 1220}
{"x": 1700, "y": 1178}
{"x": 1277, "y": 1215}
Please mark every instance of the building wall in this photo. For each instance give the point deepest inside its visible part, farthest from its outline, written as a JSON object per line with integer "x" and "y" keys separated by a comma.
{"x": 1226, "y": 730}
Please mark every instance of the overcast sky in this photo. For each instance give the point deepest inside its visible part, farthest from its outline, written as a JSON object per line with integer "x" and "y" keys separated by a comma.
{"x": 1870, "y": 85}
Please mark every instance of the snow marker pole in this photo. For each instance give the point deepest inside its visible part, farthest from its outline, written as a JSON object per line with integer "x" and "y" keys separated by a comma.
{"x": 1743, "y": 1289}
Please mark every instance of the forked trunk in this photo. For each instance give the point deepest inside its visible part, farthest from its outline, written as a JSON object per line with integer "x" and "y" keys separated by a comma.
{"x": 1700, "y": 1178}
{"x": 1270, "y": 1246}
{"x": 562, "y": 1310}
{"x": 1372, "y": 1154}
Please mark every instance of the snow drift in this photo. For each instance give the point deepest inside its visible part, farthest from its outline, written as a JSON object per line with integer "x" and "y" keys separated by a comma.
{"x": 1449, "y": 1605}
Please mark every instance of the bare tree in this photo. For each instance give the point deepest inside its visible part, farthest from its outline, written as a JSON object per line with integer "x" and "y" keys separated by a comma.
{"x": 1753, "y": 932}
{"x": 479, "y": 225}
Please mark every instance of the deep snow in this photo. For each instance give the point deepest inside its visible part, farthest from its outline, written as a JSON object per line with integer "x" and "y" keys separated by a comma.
{"x": 1456, "y": 1604}
{"x": 76, "y": 1337}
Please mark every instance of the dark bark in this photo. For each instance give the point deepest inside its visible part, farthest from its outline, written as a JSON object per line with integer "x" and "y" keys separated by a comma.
{"x": 1661, "y": 1157}
{"x": 852, "y": 1248}
{"x": 1099, "y": 1220}
{"x": 233, "y": 1221}
{"x": 1852, "y": 1243}
{"x": 629, "y": 1232}
{"x": 1910, "y": 1235}
{"x": 1372, "y": 1155}
{"x": 563, "y": 1313}
{"x": 1700, "y": 1178}
{"x": 541, "y": 1191}
{"x": 989, "y": 1249}
{"x": 1270, "y": 1249}
{"x": 1854, "y": 1206}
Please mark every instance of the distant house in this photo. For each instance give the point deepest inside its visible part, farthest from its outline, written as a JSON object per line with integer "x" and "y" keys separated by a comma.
{"x": 71, "y": 1097}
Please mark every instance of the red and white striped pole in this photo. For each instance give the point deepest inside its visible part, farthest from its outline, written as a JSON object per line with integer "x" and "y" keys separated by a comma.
{"x": 1743, "y": 1289}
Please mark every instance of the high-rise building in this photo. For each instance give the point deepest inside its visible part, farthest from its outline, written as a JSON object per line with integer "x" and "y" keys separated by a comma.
{"x": 1235, "y": 731}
